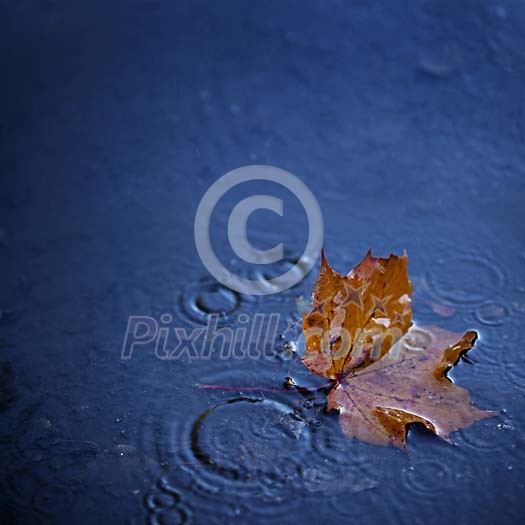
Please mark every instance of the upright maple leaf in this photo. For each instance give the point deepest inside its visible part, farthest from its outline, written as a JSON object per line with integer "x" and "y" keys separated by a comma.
{"x": 357, "y": 334}
{"x": 355, "y": 318}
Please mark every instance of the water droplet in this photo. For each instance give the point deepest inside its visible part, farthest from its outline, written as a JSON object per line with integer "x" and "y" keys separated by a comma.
{"x": 208, "y": 297}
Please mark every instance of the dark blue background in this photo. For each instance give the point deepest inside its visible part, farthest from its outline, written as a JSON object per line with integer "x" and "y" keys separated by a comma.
{"x": 406, "y": 120}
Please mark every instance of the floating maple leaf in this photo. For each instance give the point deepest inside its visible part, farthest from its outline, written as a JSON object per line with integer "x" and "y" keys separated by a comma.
{"x": 385, "y": 374}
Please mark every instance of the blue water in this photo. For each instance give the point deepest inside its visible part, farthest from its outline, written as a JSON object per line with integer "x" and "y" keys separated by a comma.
{"x": 406, "y": 120}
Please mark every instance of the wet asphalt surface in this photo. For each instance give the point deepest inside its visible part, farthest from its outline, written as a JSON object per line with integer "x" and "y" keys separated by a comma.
{"x": 405, "y": 119}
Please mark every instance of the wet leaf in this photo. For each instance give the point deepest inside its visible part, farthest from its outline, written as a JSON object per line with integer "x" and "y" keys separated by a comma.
{"x": 386, "y": 374}
{"x": 355, "y": 318}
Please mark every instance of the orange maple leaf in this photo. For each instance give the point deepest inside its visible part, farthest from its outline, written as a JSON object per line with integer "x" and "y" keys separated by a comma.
{"x": 358, "y": 334}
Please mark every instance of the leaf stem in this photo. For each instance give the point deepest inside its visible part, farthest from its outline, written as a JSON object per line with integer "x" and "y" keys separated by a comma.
{"x": 290, "y": 390}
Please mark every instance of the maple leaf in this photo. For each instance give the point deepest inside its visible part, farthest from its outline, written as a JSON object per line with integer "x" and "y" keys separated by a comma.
{"x": 386, "y": 375}
{"x": 356, "y": 318}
